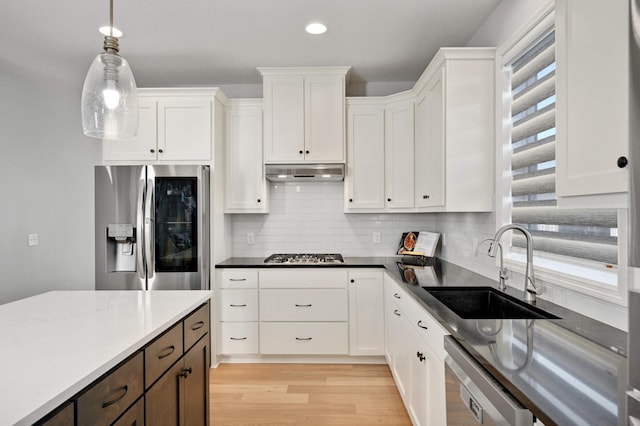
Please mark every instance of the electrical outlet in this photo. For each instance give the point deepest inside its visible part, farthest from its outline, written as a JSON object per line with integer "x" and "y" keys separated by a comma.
{"x": 251, "y": 238}
{"x": 32, "y": 240}
{"x": 377, "y": 238}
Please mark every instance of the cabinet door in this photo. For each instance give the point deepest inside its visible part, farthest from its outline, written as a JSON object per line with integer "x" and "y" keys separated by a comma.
{"x": 184, "y": 129}
{"x": 284, "y": 118}
{"x": 399, "y": 155}
{"x": 196, "y": 384}
{"x": 162, "y": 401}
{"x": 419, "y": 380}
{"x": 143, "y": 147}
{"x": 366, "y": 313}
{"x": 592, "y": 105}
{"x": 246, "y": 188}
{"x": 429, "y": 144}
{"x": 324, "y": 118}
{"x": 365, "y": 157}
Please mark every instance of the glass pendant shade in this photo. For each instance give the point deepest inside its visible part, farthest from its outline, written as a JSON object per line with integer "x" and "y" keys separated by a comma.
{"x": 110, "y": 99}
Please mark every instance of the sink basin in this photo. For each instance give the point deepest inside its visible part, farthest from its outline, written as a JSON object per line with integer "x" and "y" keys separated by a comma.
{"x": 485, "y": 303}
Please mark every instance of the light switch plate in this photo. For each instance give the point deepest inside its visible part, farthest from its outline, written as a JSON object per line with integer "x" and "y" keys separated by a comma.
{"x": 32, "y": 240}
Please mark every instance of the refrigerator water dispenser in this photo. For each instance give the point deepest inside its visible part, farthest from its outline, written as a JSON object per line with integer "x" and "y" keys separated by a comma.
{"x": 121, "y": 247}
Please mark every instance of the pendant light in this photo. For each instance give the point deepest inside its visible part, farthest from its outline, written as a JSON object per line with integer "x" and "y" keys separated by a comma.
{"x": 109, "y": 95}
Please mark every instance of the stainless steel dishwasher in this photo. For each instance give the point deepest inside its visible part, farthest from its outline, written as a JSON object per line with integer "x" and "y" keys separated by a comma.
{"x": 474, "y": 397}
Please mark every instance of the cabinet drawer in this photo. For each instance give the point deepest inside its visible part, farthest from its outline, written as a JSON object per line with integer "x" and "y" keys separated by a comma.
{"x": 112, "y": 395}
{"x": 427, "y": 328}
{"x": 238, "y": 305}
{"x": 134, "y": 416}
{"x": 304, "y": 305}
{"x": 162, "y": 353}
{"x": 62, "y": 417}
{"x": 238, "y": 338}
{"x": 304, "y": 338}
{"x": 303, "y": 278}
{"x": 196, "y": 325}
{"x": 239, "y": 278}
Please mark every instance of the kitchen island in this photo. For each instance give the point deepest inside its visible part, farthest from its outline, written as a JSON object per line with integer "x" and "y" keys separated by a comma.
{"x": 56, "y": 344}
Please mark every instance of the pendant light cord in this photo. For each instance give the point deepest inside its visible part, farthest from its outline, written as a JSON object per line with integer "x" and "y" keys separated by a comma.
{"x": 111, "y": 18}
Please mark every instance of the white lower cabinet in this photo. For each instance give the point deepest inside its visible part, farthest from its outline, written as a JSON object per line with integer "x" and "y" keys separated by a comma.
{"x": 304, "y": 338}
{"x": 238, "y": 338}
{"x": 415, "y": 353}
{"x": 366, "y": 306}
{"x": 300, "y": 311}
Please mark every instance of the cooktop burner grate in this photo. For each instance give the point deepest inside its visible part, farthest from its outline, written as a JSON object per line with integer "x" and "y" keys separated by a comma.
{"x": 305, "y": 258}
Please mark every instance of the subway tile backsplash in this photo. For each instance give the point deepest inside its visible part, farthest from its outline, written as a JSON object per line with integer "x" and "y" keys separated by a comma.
{"x": 309, "y": 217}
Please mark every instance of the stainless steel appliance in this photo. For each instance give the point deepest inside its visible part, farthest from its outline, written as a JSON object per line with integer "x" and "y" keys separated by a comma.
{"x": 474, "y": 397}
{"x": 152, "y": 227}
{"x": 299, "y": 258}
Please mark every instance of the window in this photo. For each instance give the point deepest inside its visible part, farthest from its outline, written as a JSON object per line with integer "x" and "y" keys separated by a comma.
{"x": 573, "y": 248}
{"x": 582, "y": 234}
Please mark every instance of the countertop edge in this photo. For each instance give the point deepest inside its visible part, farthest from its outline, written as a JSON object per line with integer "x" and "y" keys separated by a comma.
{"x": 57, "y": 400}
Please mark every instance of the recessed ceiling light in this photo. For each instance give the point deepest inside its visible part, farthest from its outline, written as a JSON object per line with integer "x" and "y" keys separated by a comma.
{"x": 316, "y": 28}
{"x": 105, "y": 31}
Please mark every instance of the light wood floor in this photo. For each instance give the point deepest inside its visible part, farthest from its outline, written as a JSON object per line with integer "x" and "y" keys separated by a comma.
{"x": 305, "y": 394}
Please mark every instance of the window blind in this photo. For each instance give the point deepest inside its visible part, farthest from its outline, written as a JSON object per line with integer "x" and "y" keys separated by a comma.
{"x": 584, "y": 234}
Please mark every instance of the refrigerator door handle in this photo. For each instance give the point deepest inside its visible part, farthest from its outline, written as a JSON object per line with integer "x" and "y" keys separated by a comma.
{"x": 149, "y": 227}
{"x": 140, "y": 232}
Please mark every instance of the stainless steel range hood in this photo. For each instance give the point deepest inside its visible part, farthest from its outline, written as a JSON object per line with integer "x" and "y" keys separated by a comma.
{"x": 304, "y": 172}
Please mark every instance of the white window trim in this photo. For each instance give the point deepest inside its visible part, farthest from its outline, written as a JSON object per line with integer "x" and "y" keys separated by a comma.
{"x": 575, "y": 275}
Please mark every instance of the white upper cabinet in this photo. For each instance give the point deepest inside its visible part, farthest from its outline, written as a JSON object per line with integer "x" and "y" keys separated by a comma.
{"x": 175, "y": 125}
{"x": 455, "y": 132}
{"x": 592, "y": 101}
{"x": 246, "y": 187}
{"x": 399, "y": 154}
{"x": 304, "y": 111}
{"x": 365, "y": 154}
{"x": 429, "y": 144}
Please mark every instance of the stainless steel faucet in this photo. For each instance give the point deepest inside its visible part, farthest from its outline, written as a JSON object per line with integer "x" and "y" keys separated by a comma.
{"x": 529, "y": 280}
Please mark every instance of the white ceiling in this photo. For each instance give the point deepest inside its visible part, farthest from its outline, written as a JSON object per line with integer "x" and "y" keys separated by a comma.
{"x": 221, "y": 42}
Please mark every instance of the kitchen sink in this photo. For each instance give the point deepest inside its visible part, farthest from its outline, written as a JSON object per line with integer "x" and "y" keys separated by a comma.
{"x": 485, "y": 303}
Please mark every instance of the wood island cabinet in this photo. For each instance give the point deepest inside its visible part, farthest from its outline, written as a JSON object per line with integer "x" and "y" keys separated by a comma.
{"x": 164, "y": 383}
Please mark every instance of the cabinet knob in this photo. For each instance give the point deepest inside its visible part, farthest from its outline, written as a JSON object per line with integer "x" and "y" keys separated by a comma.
{"x": 185, "y": 373}
{"x": 420, "y": 356}
{"x": 306, "y": 152}
{"x": 152, "y": 151}
{"x": 622, "y": 162}
{"x": 353, "y": 281}
{"x": 425, "y": 197}
{"x": 351, "y": 200}
{"x": 259, "y": 200}
{"x": 301, "y": 152}
{"x": 160, "y": 151}
{"x": 389, "y": 199}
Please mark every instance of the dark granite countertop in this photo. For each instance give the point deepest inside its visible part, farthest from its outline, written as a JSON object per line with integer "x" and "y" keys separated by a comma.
{"x": 570, "y": 370}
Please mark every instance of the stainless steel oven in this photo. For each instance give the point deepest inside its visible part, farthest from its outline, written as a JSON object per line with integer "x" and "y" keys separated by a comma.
{"x": 474, "y": 397}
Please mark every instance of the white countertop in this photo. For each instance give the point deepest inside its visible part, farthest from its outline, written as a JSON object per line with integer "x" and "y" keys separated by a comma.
{"x": 55, "y": 344}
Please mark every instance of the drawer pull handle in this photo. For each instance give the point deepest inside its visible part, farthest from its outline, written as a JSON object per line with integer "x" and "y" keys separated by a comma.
{"x": 395, "y": 311}
{"x": 422, "y": 326}
{"x": 122, "y": 389}
{"x": 396, "y": 296}
{"x": 185, "y": 373}
{"x": 237, "y": 279}
{"x": 239, "y": 306}
{"x": 303, "y": 338}
{"x": 303, "y": 306}
{"x": 166, "y": 352}
{"x": 238, "y": 338}
{"x": 197, "y": 326}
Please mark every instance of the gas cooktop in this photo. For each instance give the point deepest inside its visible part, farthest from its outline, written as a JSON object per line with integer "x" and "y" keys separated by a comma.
{"x": 311, "y": 258}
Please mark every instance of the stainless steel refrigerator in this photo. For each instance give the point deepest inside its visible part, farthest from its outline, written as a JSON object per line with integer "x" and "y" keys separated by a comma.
{"x": 152, "y": 227}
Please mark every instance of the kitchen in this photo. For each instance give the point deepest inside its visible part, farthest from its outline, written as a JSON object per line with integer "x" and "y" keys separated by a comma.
{"x": 49, "y": 174}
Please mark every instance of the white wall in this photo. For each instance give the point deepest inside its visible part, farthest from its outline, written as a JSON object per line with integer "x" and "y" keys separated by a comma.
{"x": 46, "y": 187}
